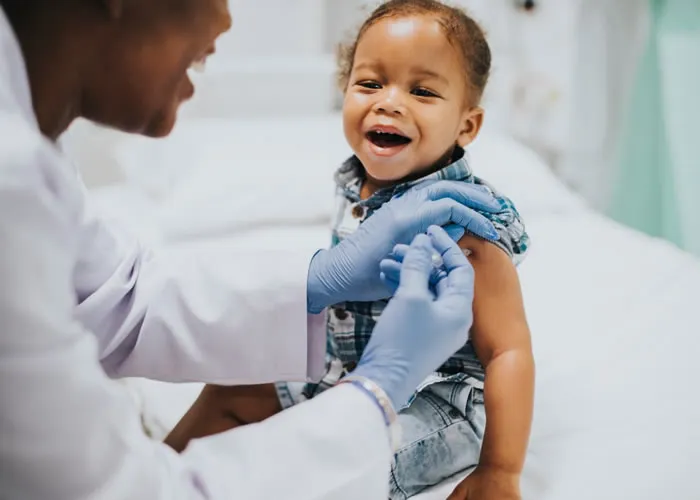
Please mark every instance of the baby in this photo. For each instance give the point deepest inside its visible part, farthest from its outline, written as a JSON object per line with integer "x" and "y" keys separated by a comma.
{"x": 412, "y": 82}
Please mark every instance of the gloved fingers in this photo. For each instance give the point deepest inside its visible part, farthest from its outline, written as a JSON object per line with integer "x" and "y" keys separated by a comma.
{"x": 455, "y": 231}
{"x": 399, "y": 252}
{"x": 441, "y": 284}
{"x": 452, "y": 255}
{"x": 391, "y": 269}
{"x": 417, "y": 266}
{"x": 390, "y": 282}
{"x": 456, "y": 292}
{"x": 482, "y": 227}
{"x": 446, "y": 211}
{"x": 474, "y": 196}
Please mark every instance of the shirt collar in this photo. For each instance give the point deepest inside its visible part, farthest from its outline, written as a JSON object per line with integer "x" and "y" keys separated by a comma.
{"x": 350, "y": 175}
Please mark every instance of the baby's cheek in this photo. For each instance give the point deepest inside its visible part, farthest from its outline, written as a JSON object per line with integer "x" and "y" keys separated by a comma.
{"x": 352, "y": 126}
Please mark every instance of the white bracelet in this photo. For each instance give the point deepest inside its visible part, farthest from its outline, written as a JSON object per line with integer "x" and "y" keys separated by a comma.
{"x": 383, "y": 402}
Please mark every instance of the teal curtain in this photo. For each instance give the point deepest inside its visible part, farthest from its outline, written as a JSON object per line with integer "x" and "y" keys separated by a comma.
{"x": 658, "y": 179}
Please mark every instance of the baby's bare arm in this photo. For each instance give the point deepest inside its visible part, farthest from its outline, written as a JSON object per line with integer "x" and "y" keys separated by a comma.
{"x": 501, "y": 338}
{"x": 220, "y": 408}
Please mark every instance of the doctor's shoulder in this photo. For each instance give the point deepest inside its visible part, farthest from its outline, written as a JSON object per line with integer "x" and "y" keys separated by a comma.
{"x": 33, "y": 168}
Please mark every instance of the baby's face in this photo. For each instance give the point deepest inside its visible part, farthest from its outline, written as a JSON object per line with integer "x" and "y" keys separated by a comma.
{"x": 406, "y": 102}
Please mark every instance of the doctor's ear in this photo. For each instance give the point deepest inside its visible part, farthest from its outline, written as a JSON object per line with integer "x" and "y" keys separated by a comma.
{"x": 472, "y": 121}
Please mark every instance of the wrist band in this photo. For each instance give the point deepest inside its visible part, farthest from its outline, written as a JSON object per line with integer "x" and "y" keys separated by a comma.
{"x": 382, "y": 401}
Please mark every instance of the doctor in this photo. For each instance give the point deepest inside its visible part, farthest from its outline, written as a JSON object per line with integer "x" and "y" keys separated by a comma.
{"x": 81, "y": 304}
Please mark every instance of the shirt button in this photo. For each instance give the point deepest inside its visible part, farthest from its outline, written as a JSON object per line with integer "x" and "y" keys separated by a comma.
{"x": 341, "y": 314}
{"x": 358, "y": 211}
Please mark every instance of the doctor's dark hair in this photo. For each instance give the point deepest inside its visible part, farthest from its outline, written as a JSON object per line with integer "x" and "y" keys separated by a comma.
{"x": 460, "y": 29}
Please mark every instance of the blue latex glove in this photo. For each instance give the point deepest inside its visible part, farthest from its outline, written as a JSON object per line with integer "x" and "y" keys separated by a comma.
{"x": 423, "y": 325}
{"x": 350, "y": 270}
{"x": 391, "y": 267}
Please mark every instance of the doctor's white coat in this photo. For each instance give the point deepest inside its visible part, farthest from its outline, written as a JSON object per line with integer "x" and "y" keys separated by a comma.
{"x": 80, "y": 304}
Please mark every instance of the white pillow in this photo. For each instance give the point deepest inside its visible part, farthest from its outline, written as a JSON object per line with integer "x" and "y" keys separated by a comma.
{"x": 214, "y": 176}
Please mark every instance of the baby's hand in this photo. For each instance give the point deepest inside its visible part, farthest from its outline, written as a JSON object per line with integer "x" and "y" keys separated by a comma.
{"x": 487, "y": 483}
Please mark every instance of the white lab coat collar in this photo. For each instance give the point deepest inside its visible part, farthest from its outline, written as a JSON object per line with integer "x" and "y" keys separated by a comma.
{"x": 15, "y": 94}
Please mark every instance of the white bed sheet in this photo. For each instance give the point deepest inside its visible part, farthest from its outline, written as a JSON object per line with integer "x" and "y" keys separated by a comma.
{"x": 613, "y": 313}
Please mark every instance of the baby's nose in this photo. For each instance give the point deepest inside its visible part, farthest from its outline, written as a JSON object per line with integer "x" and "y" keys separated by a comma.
{"x": 391, "y": 102}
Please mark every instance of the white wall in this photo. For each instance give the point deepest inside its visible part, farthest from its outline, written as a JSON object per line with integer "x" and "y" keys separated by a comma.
{"x": 272, "y": 62}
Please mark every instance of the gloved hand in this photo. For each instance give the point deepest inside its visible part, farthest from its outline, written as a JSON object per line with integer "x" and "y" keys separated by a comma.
{"x": 391, "y": 267}
{"x": 350, "y": 270}
{"x": 422, "y": 326}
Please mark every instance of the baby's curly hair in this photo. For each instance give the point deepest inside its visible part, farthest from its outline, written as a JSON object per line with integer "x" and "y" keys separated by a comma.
{"x": 460, "y": 29}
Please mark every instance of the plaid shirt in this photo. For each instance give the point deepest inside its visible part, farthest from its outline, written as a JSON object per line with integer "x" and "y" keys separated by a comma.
{"x": 350, "y": 324}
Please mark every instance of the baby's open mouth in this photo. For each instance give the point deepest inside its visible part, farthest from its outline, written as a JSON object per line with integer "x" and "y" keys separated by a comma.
{"x": 387, "y": 139}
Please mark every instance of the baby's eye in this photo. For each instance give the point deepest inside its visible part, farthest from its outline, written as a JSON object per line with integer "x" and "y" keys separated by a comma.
{"x": 423, "y": 92}
{"x": 369, "y": 85}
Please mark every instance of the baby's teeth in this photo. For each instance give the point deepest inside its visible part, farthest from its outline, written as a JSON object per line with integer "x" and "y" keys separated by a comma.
{"x": 199, "y": 66}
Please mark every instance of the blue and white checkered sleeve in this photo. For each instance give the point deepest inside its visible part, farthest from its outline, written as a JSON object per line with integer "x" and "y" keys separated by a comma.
{"x": 513, "y": 237}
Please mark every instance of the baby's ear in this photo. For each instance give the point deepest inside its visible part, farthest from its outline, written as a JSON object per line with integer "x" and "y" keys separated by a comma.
{"x": 472, "y": 119}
